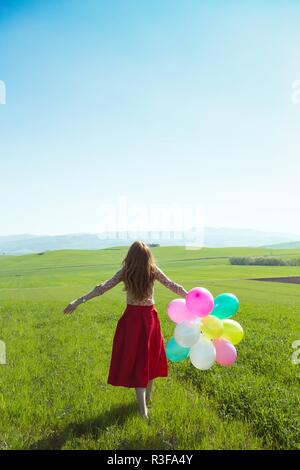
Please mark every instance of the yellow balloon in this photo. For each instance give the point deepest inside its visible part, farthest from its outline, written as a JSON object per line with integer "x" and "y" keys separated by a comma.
{"x": 212, "y": 327}
{"x": 233, "y": 331}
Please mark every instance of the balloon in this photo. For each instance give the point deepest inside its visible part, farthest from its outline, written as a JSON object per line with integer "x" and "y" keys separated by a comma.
{"x": 175, "y": 352}
{"x": 187, "y": 333}
{"x": 178, "y": 312}
{"x": 233, "y": 331}
{"x": 225, "y": 352}
{"x": 212, "y": 327}
{"x": 226, "y": 305}
{"x": 203, "y": 354}
{"x": 200, "y": 301}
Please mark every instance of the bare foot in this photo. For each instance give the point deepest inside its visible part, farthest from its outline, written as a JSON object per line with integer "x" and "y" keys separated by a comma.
{"x": 144, "y": 414}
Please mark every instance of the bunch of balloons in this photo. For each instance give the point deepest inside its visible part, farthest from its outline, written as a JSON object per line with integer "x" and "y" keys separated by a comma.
{"x": 204, "y": 331}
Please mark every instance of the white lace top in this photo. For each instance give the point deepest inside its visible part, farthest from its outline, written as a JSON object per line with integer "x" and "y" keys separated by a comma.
{"x": 159, "y": 276}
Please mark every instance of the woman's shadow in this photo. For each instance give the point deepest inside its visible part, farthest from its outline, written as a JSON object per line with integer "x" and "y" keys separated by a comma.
{"x": 92, "y": 427}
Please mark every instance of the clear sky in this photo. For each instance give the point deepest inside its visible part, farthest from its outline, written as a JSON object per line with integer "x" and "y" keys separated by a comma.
{"x": 157, "y": 101}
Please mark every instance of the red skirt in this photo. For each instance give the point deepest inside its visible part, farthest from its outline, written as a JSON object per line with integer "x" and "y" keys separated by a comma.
{"x": 138, "y": 353}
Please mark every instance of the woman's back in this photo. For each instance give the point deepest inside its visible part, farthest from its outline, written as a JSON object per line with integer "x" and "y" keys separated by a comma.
{"x": 149, "y": 299}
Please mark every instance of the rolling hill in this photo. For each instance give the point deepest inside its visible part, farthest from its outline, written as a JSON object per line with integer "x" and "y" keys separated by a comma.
{"x": 212, "y": 237}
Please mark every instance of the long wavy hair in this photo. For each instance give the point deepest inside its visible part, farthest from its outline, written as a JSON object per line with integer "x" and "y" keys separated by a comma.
{"x": 139, "y": 268}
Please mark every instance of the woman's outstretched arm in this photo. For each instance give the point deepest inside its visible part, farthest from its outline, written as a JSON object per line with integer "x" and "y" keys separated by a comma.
{"x": 163, "y": 279}
{"x": 98, "y": 290}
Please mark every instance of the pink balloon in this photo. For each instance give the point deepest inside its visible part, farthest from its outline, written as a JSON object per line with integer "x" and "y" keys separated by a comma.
{"x": 225, "y": 352}
{"x": 200, "y": 301}
{"x": 178, "y": 312}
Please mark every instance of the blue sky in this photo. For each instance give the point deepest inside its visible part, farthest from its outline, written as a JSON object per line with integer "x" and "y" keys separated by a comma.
{"x": 159, "y": 101}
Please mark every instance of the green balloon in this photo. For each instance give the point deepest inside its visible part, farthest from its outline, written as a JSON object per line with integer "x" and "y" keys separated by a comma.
{"x": 175, "y": 352}
{"x": 226, "y": 305}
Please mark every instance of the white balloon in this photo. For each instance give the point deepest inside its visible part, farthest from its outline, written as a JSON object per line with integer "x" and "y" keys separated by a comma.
{"x": 203, "y": 354}
{"x": 187, "y": 333}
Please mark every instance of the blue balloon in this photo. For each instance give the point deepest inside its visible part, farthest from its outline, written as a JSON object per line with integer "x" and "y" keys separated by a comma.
{"x": 175, "y": 352}
{"x": 226, "y": 305}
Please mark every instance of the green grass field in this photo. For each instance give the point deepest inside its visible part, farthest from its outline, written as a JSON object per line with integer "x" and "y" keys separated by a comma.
{"x": 53, "y": 391}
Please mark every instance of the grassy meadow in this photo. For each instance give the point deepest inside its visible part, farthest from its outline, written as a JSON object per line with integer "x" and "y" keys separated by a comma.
{"x": 53, "y": 391}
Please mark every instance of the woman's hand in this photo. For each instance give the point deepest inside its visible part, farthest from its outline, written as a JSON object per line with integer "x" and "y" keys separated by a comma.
{"x": 71, "y": 307}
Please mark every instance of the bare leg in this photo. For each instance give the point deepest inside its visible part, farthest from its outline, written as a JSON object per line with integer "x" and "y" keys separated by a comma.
{"x": 141, "y": 398}
{"x": 149, "y": 391}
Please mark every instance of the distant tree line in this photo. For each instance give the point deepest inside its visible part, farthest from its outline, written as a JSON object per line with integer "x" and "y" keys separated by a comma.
{"x": 264, "y": 261}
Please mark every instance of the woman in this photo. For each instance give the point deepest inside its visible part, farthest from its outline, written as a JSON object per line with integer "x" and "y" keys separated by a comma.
{"x": 138, "y": 353}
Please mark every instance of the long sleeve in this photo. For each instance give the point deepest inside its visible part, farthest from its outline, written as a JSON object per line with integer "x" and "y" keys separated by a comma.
{"x": 101, "y": 288}
{"x": 163, "y": 279}
{"x": 109, "y": 283}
